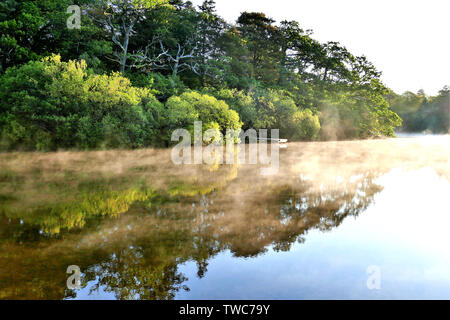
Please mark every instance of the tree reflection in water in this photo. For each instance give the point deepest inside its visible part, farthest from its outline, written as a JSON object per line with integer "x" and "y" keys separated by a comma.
{"x": 137, "y": 225}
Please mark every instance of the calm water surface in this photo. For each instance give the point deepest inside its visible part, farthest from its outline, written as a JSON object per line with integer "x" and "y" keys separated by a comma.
{"x": 140, "y": 227}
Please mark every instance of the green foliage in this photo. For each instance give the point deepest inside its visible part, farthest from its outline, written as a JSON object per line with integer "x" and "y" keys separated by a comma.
{"x": 20, "y": 24}
{"x": 118, "y": 19}
{"x": 163, "y": 87}
{"x": 31, "y": 30}
{"x": 357, "y": 112}
{"x": 262, "y": 42}
{"x": 306, "y": 125}
{"x": 183, "y": 110}
{"x": 272, "y": 109}
{"x": 241, "y": 102}
{"x": 51, "y": 104}
{"x": 273, "y": 75}
{"x": 421, "y": 113}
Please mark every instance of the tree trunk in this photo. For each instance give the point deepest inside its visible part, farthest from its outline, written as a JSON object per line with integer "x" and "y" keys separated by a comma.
{"x": 325, "y": 75}
{"x": 123, "y": 59}
{"x": 175, "y": 73}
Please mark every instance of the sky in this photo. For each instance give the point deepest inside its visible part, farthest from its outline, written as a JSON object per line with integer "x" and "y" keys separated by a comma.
{"x": 408, "y": 40}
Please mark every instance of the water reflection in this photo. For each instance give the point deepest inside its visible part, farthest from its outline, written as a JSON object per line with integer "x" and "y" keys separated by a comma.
{"x": 134, "y": 222}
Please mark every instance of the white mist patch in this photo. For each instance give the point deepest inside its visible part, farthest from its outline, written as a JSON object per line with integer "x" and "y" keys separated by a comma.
{"x": 415, "y": 203}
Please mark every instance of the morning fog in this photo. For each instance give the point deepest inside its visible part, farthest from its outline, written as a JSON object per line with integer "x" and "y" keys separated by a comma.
{"x": 212, "y": 147}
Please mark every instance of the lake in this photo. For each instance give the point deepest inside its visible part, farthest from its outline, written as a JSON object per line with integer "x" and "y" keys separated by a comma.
{"x": 339, "y": 220}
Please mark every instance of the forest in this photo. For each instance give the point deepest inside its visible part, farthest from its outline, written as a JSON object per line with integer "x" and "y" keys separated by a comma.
{"x": 423, "y": 113}
{"x": 135, "y": 70}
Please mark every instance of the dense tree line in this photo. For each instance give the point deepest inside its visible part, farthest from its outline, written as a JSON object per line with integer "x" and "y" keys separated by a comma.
{"x": 423, "y": 113}
{"x": 137, "y": 69}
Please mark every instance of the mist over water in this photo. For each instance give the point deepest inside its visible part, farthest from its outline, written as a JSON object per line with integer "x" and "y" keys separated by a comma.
{"x": 140, "y": 227}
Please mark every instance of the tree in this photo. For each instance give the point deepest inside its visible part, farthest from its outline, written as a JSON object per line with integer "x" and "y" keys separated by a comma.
{"x": 421, "y": 112}
{"x": 193, "y": 106}
{"x": 119, "y": 18}
{"x": 211, "y": 27}
{"x": 170, "y": 43}
{"x": 272, "y": 109}
{"x": 261, "y": 36}
{"x": 52, "y": 104}
{"x": 332, "y": 62}
{"x": 177, "y": 61}
{"x": 32, "y": 29}
{"x": 298, "y": 49}
{"x": 273, "y": 71}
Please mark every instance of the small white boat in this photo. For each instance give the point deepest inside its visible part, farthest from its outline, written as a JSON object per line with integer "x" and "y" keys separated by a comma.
{"x": 275, "y": 140}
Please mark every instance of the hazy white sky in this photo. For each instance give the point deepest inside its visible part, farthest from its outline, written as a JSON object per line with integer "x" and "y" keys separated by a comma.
{"x": 408, "y": 40}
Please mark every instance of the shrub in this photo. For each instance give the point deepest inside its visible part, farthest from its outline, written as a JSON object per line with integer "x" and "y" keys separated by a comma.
{"x": 272, "y": 109}
{"x": 306, "y": 125}
{"x": 241, "y": 102}
{"x": 161, "y": 86}
{"x": 184, "y": 110}
{"x": 50, "y": 104}
{"x": 357, "y": 114}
